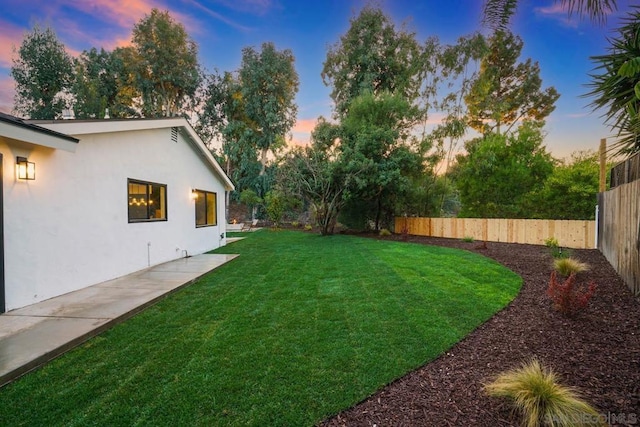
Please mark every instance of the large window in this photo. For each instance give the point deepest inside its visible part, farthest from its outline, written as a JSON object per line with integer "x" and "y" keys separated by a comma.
{"x": 205, "y": 208}
{"x": 147, "y": 201}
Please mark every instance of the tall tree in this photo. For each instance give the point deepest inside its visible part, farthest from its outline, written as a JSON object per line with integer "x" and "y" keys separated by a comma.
{"x": 269, "y": 84}
{"x": 103, "y": 82}
{"x": 166, "y": 63}
{"x": 615, "y": 85}
{"x": 318, "y": 175}
{"x": 252, "y": 110}
{"x": 506, "y": 91}
{"x": 454, "y": 67}
{"x": 376, "y": 137}
{"x": 372, "y": 56}
{"x": 498, "y": 173}
{"x": 43, "y": 71}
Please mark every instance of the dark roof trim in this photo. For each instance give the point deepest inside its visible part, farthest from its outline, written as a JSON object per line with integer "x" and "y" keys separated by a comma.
{"x": 21, "y": 123}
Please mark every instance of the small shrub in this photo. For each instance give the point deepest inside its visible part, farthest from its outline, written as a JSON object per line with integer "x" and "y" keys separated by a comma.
{"x": 467, "y": 239}
{"x": 566, "y": 266}
{"x": 551, "y": 242}
{"x": 307, "y": 227}
{"x": 540, "y": 399}
{"x": 295, "y": 224}
{"x": 568, "y": 298}
{"x": 384, "y": 232}
{"x": 556, "y": 250}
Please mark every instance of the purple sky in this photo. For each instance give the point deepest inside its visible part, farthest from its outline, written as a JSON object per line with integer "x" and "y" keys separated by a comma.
{"x": 222, "y": 28}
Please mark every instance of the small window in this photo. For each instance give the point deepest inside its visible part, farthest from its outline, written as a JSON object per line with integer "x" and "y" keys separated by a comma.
{"x": 147, "y": 201}
{"x": 205, "y": 208}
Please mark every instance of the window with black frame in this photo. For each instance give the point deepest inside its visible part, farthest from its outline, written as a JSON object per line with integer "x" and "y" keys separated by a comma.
{"x": 147, "y": 201}
{"x": 205, "y": 208}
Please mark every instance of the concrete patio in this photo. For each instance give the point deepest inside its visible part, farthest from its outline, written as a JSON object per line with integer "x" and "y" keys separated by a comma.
{"x": 33, "y": 335}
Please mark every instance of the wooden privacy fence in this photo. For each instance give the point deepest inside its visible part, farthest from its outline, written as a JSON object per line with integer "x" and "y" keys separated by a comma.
{"x": 625, "y": 172}
{"x": 619, "y": 231}
{"x": 570, "y": 234}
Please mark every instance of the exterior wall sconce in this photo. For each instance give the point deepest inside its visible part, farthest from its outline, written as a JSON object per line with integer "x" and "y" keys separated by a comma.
{"x": 194, "y": 194}
{"x": 25, "y": 169}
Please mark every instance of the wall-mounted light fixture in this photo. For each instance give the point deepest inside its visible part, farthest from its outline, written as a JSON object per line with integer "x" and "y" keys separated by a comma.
{"x": 194, "y": 194}
{"x": 25, "y": 169}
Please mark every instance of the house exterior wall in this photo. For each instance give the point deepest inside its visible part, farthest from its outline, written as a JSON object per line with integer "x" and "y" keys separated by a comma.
{"x": 69, "y": 228}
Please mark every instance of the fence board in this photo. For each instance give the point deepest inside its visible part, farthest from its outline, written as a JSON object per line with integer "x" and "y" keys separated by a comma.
{"x": 570, "y": 234}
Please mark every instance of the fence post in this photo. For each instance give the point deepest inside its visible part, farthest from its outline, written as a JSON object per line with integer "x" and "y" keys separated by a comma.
{"x": 603, "y": 165}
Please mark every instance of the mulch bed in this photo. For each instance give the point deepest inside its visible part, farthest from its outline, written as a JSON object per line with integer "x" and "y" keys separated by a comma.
{"x": 597, "y": 352}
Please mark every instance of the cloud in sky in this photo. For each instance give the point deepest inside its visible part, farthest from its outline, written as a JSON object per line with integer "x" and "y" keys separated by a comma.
{"x": 123, "y": 13}
{"x": 10, "y": 36}
{"x": 558, "y": 13}
{"x": 304, "y": 125}
{"x": 7, "y": 90}
{"x": 256, "y": 7}
{"x": 301, "y": 132}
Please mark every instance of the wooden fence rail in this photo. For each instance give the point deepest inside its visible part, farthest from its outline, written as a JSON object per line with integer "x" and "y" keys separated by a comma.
{"x": 570, "y": 234}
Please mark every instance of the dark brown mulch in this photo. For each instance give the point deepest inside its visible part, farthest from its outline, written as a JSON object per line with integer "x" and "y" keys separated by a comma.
{"x": 597, "y": 352}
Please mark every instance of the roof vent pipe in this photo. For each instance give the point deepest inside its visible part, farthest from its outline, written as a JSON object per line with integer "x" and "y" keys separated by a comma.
{"x": 106, "y": 113}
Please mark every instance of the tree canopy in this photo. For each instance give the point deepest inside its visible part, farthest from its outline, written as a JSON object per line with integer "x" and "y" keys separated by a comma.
{"x": 102, "y": 82}
{"x": 570, "y": 192}
{"x": 252, "y": 110}
{"x": 499, "y": 173}
{"x": 372, "y": 56}
{"x": 165, "y": 60}
{"x": 507, "y": 91}
{"x": 317, "y": 174}
{"x": 43, "y": 72}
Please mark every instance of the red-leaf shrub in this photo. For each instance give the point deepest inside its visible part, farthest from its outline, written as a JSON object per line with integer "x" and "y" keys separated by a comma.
{"x": 568, "y": 298}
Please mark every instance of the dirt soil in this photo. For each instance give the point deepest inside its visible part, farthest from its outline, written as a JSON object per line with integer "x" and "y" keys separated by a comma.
{"x": 597, "y": 352}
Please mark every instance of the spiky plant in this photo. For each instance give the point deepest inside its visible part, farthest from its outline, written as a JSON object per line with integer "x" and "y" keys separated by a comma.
{"x": 537, "y": 395}
{"x": 615, "y": 85}
{"x": 566, "y": 266}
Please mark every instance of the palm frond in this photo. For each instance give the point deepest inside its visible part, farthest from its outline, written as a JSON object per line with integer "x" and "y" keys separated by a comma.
{"x": 614, "y": 83}
{"x": 498, "y": 13}
{"x": 597, "y": 10}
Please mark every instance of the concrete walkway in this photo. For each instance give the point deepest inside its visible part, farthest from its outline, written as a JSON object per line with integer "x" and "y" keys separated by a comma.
{"x": 33, "y": 335}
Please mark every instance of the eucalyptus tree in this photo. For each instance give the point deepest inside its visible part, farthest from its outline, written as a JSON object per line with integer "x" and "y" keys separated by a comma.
{"x": 224, "y": 117}
{"x": 268, "y": 86}
{"x": 251, "y": 111}
{"x": 375, "y": 56}
{"x": 103, "y": 83}
{"x": 452, "y": 69}
{"x": 506, "y": 91}
{"x": 43, "y": 73}
{"x": 165, "y": 60}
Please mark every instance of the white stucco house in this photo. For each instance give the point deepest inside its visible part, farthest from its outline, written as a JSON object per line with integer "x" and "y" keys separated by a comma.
{"x": 85, "y": 201}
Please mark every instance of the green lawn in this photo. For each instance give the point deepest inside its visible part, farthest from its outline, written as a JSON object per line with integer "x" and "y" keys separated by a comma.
{"x": 296, "y": 329}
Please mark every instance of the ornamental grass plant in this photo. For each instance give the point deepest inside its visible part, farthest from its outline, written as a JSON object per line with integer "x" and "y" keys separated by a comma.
{"x": 536, "y": 394}
{"x": 566, "y": 266}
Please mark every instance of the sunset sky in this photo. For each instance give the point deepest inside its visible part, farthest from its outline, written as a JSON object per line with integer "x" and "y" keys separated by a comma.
{"x": 562, "y": 46}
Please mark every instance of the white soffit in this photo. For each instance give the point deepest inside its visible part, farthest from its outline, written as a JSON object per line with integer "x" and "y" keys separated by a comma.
{"x": 32, "y": 135}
